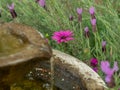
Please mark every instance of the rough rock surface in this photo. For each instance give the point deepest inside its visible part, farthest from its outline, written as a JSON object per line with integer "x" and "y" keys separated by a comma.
{"x": 14, "y": 66}
{"x": 69, "y": 73}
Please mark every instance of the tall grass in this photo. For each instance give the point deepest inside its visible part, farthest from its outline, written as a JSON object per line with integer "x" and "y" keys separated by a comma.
{"x": 55, "y": 17}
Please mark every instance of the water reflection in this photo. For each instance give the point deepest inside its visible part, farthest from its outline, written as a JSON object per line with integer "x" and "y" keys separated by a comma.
{"x": 29, "y": 83}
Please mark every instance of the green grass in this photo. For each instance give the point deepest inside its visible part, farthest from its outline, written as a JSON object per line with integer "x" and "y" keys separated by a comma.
{"x": 56, "y": 17}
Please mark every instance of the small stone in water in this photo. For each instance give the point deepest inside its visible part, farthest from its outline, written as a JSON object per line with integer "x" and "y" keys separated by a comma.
{"x": 62, "y": 79}
{"x": 73, "y": 87}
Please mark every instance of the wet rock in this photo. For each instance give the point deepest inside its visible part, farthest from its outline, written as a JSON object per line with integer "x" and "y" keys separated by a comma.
{"x": 21, "y": 47}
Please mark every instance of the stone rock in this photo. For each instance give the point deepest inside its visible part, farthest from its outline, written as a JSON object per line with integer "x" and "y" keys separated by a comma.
{"x": 91, "y": 80}
{"x": 69, "y": 73}
{"x": 21, "y": 47}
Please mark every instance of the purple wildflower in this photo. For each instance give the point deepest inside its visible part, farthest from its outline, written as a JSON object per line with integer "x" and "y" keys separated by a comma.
{"x": 41, "y": 3}
{"x": 79, "y": 12}
{"x": 93, "y": 22}
{"x": 94, "y": 62}
{"x": 92, "y": 12}
{"x": 95, "y": 69}
{"x": 103, "y": 46}
{"x": 71, "y": 18}
{"x": 63, "y": 36}
{"x": 86, "y": 32}
{"x": 105, "y": 67}
{"x": 12, "y": 11}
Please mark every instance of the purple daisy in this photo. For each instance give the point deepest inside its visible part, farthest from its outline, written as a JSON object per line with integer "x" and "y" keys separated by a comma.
{"x": 63, "y": 36}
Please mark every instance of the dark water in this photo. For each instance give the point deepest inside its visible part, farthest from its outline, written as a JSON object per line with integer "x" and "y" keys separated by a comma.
{"x": 28, "y": 83}
{"x": 32, "y": 85}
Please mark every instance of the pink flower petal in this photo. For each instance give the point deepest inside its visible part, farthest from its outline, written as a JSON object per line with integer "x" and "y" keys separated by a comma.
{"x": 79, "y": 11}
{"x": 115, "y": 67}
{"x": 11, "y": 7}
{"x": 93, "y": 22}
{"x": 63, "y": 36}
{"x": 86, "y": 29}
{"x": 105, "y": 67}
{"x": 41, "y": 3}
{"x": 108, "y": 79}
{"x": 94, "y": 62}
{"x": 103, "y": 43}
{"x": 92, "y": 10}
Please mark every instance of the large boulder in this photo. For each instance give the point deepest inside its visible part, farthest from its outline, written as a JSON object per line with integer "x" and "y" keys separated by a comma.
{"x": 69, "y": 73}
{"x": 21, "y": 47}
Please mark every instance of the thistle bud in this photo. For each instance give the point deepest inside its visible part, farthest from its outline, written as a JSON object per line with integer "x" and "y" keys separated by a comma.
{"x": 79, "y": 12}
{"x": 86, "y": 32}
{"x": 12, "y": 11}
{"x": 92, "y": 12}
{"x": 103, "y": 46}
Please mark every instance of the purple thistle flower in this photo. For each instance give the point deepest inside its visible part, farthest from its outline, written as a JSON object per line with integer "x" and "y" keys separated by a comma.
{"x": 11, "y": 7}
{"x": 41, "y": 3}
{"x": 93, "y": 22}
{"x": 103, "y": 46}
{"x": 94, "y": 62}
{"x": 12, "y": 11}
{"x": 63, "y": 36}
{"x": 86, "y": 32}
{"x": 92, "y": 12}
{"x": 103, "y": 43}
{"x": 79, "y": 12}
{"x": 105, "y": 67}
